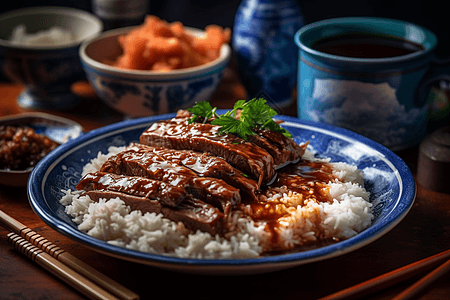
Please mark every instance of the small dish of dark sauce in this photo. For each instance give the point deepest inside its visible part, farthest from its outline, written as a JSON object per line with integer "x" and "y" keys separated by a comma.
{"x": 26, "y": 138}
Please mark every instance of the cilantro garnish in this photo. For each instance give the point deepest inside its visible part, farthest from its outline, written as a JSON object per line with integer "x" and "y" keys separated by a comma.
{"x": 253, "y": 114}
{"x": 202, "y": 109}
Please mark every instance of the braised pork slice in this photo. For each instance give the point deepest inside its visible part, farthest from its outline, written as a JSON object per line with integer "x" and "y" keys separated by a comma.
{"x": 178, "y": 134}
{"x": 206, "y": 166}
{"x": 150, "y": 165}
{"x": 167, "y": 194}
{"x": 195, "y": 214}
{"x": 283, "y": 149}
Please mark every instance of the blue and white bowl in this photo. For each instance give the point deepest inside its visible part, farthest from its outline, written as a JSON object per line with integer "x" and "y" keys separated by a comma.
{"x": 139, "y": 93}
{"x": 47, "y": 72}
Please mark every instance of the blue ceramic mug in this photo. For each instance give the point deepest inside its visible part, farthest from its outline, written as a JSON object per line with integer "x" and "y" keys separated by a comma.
{"x": 369, "y": 75}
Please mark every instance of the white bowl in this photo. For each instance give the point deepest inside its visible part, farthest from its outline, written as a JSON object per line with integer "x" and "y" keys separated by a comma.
{"x": 139, "y": 93}
{"x": 47, "y": 71}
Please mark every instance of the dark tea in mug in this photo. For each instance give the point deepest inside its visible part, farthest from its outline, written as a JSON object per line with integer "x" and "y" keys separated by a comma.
{"x": 365, "y": 45}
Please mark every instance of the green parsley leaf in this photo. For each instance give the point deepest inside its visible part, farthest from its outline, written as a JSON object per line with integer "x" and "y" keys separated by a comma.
{"x": 272, "y": 125}
{"x": 232, "y": 125}
{"x": 201, "y": 109}
{"x": 238, "y": 105}
{"x": 253, "y": 114}
{"x": 256, "y": 111}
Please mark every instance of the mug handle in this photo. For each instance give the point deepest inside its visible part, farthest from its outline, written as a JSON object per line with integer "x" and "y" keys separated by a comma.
{"x": 439, "y": 71}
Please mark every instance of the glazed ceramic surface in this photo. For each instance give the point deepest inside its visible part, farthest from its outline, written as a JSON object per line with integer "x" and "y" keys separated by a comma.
{"x": 384, "y": 99}
{"x": 139, "y": 93}
{"x": 387, "y": 178}
{"x": 266, "y": 55}
{"x": 47, "y": 71}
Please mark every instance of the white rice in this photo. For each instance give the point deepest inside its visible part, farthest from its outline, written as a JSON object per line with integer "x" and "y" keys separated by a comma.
{"x": 55, "y": 36}
{"x": 111, "y": 220}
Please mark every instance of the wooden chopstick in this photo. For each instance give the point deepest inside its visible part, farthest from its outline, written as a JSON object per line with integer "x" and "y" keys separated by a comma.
{"x": 74, "y": 279}
{"x": 66, "y": 258}
{"x": 391, "y": 278}
{"x": 424, "y": 283}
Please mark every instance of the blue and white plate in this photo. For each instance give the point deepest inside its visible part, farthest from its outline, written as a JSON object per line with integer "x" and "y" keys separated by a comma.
{"x": 388, "y": 179}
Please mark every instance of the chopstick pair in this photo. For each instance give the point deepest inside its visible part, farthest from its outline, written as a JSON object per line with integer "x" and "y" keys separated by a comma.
{"x": 73, "y": 271}
{"x": 440, "y": 261}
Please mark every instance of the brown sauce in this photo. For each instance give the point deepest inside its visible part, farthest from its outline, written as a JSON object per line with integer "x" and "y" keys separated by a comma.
{"x": 306, "y": 178}
{"x": 22, "y": 148}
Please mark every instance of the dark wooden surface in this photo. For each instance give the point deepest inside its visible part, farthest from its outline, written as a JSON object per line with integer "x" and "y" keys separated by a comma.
{"x": 425, "y": 231}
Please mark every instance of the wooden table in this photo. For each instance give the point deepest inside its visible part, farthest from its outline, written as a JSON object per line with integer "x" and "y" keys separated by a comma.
{"x": 425, "y": 231}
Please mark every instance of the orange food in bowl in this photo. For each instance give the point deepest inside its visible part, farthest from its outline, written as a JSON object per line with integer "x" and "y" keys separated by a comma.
{"x": 161, "y": 46}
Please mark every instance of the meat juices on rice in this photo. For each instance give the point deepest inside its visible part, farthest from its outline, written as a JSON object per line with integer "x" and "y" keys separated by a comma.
{"x": 295, "y": 219}
{"x": 112, "y": 221}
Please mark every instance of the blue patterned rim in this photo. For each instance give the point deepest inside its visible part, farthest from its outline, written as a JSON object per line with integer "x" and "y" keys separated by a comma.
{"x": 371, "y": 155}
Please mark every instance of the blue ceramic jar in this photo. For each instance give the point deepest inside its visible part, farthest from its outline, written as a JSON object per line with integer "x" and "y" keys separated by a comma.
{"x": 266, "y": 54}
